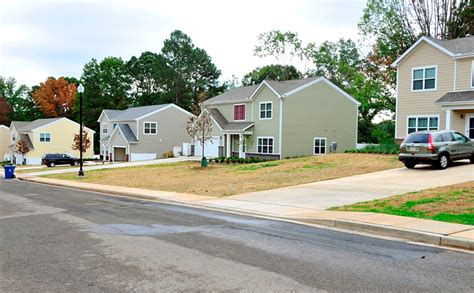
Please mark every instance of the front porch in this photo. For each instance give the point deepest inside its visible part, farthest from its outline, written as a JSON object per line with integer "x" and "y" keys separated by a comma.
{"x": 459, "y": 107}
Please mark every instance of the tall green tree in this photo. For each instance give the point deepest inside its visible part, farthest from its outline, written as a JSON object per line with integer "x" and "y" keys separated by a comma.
{"x": 187, "y": 71}
{"x": 280, "y": 45}
{"x": 274, "y": 72}
{"x": 145, "y": 72}
{"x": 20, "y": 99}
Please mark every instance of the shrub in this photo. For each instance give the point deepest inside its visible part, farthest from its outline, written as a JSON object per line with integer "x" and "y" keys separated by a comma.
{"x": 389, "y": 148}
{"x": 168, "y": 154}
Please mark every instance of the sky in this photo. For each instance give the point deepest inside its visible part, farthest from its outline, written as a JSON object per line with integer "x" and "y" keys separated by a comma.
{"x": 56, "y": 38}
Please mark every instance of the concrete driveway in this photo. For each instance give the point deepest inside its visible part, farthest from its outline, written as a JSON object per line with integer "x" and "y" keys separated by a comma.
{"x": 348, "y": 190}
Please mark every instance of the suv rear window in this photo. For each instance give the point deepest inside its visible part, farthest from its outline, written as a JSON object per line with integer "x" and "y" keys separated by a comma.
{"x": 417, "y": 138}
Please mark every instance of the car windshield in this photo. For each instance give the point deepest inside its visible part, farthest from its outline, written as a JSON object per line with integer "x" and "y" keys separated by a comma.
{"x": 417, "y": 138}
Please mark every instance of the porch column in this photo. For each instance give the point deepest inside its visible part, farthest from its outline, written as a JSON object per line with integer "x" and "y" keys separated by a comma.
{"x": 228, "y": 146}
{"x": 448, "y": 119}
{"x": 241, "y": 146}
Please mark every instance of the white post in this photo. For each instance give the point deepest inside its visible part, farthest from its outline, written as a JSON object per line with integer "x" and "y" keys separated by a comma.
{"x": 448, "y": 119}
{"x": 241, "y": 146}
{"x": 227, "y": 150}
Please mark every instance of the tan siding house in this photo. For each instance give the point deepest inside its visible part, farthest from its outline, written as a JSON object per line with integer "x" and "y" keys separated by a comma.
{"x": 5, "y": 153}
{"x": 142, "y": 133}
{"x": 435, "y": 87}
{"x": 282, "y": 119}
{"x": 46, "y": 136}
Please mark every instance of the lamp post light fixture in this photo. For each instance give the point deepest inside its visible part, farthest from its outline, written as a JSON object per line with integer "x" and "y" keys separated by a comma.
{"x": 80, "y": 90}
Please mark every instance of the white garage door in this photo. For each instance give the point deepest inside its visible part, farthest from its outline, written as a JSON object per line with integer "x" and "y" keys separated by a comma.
{"x": 211, "y": 148}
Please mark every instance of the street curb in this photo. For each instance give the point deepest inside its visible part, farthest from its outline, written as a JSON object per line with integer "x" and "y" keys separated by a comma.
{"x": 383, "y": 230}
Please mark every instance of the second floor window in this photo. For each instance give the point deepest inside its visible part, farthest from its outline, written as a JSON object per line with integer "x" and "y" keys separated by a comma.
{"x": 104, "y": 128}
{"x": 45, "y": 137}
{"x": 472, "y": 74}
{"x": 424, "y": 79}
{"x": 239, "y": 112}
{"x": 266, "y": 110}
{"x": 13, "y": 137}
{"x": 149, "y": 127}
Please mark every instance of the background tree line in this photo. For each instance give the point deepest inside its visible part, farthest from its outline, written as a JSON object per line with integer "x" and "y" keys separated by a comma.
{"x": 184, "y": 74}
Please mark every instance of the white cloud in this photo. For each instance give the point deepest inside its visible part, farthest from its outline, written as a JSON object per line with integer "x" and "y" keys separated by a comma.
{"x": 53, "y": 38}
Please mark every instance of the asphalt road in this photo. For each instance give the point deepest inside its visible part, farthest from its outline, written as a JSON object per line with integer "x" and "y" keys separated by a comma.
{"x": 55, "y": 239}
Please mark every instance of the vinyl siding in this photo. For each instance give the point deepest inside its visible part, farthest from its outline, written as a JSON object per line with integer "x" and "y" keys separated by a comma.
{"x": 459, "y": 124}
{"x": 62, "y": 139}
{"x": 4, "y": 142}
{"x": 171, "y": 131}
{"x": 318, "y": 111}
{"x": 266, "y": 128}
{"x": 463, "y": 74}
{"x": 422, "y": 102}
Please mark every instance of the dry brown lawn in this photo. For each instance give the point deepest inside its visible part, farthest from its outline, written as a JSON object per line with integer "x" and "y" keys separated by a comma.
{"x": 229, "y": 179}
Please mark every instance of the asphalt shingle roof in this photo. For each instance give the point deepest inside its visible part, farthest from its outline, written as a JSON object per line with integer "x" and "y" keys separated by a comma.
{"x": 240, "y": 94}
{"x": 453, "y": 97}
{"x": 28, "y": 126}
{"x": 19, "y": 124}
{"x": 127, "y": 133}
{"x": 226, "y": 125}
{"x": 26, "y": 138}
{"x": 132, "y": 113}
{"x": 459, "y": 46}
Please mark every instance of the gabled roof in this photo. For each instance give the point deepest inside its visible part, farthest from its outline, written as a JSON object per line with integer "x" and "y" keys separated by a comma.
{"x": 24, "y": 126}
{"x": 456, "y": 97}
{"x": 280, "y": 88}
{"x": 226, "y": 125}
{"x": 136, "y": 113}
{"x": 456, "y": 48}
{"x": 26, "y": 138}
{"x": 126, "y": 131}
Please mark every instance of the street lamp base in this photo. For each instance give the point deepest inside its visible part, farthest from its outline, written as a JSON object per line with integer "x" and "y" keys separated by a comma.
{"x": 81, "y": 173}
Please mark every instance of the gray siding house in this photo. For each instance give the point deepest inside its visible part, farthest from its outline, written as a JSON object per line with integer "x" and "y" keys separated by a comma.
{"x": 142, "y": 133}
{"x": 274, "y": 120}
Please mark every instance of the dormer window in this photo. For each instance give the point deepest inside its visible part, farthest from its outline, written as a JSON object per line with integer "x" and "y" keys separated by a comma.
{"x": 239, "y": 112}
{"x": 424, "y": 78}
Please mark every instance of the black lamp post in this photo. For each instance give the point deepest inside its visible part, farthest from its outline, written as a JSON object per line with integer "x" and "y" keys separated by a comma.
{"x": 80, "y": 90}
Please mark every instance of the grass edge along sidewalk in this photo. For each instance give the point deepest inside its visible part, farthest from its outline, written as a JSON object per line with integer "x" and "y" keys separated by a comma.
{"x": 452, "y": 204}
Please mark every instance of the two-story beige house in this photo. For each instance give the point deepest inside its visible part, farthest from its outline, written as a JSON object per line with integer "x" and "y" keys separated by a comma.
{"x": 142, "y": 133}
{"x": 45, "y": 136}
{"x": 279, "y": 119}
{"x": 435, "y": 87}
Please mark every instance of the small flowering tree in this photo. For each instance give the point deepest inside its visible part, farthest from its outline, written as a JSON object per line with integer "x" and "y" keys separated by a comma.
{"x": 22, "y": 148}
{"x": 86, "y": 141}
{"x": 200, "y": 129}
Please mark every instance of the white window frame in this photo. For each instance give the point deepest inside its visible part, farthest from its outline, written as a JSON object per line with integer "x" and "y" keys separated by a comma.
{"x": 424, "y": 68}
{"x": 273, "y": 144}
{"x": 245, "y": 112}
{"x": 325, "y": 146}
{"x": 13, "y": 136}
{"x": 422, "y": 116}
{"x": 105, "y": 128}
{"x": 50, "y": 138}
{"x": 260, "y": 110}
{"x": 472, "y": 74}
{"x": 150, "y": 122}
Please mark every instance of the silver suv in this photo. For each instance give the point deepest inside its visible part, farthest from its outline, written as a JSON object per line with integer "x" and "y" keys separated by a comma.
{"x": 437, "y": 148}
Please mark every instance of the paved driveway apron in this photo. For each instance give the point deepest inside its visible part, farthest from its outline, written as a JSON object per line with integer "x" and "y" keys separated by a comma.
{"x": 348, "y": 190}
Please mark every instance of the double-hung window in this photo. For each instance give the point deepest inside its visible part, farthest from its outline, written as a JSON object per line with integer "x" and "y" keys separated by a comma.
{"x": 424, "y": 78}
{"x": 149, "y": 127}
{"x": 104, "y": 128}
{"x": 266, "y": 110}
{"x": 319, "y": 146}
{"x": 265, "y": 145}
{"x": 472, "y": 74}
{"x": 45, "y": 137}
{"x": 239, "y": 112}
{"x": 422, "y": 123}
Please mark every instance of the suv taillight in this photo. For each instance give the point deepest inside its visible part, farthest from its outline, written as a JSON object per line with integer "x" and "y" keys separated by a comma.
{"x": 430, "y": 143}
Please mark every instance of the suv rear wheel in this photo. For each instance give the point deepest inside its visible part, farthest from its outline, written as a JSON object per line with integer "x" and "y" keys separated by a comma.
{"x": 472, "y": 159}
{"x": 443, "y": 161}
{"x": 410, "y": 164}
{"x": 52, "y": 164}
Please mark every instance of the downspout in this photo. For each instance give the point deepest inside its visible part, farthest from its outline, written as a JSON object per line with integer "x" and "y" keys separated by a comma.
{"x": 280, "y": 127}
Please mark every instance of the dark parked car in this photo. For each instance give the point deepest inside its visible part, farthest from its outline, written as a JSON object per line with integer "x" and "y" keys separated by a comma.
{"x": 52, "y": 160}
{"x": 437, "y": 148}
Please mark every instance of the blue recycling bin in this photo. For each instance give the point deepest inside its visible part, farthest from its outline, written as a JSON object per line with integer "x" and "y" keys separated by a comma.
{"x": 9, "y": 171}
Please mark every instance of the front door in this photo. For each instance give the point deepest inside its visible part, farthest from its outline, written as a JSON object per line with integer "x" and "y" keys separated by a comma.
{"x": 470, "y": 126}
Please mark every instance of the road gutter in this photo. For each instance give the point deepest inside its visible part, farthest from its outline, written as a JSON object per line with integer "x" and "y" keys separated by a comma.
{"x": 351, "y": 226}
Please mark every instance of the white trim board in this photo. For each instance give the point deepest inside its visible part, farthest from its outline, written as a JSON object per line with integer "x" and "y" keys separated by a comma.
{"x": 259, "y": 87}
{"x": 416, "y": 44}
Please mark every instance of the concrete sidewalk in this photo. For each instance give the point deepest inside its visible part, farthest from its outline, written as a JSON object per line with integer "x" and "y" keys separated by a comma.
{"x": 111, "y": 166}
{"x": 427, "y": 231}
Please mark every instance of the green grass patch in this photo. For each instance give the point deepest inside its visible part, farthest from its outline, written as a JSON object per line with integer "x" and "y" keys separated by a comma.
{"x": 254, "y": 167}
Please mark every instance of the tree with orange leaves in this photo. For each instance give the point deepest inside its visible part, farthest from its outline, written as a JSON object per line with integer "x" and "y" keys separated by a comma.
{"x": 55, "y": 97}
